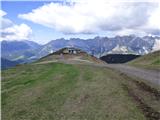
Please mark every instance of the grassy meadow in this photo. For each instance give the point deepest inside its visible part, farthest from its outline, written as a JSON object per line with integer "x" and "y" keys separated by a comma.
{"x": 149, "y": 61}
{"x": 57, "y": 91}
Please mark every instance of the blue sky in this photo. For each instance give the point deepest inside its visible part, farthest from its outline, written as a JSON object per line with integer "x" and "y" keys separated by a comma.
{"x": 41, "y": 34}
{"x": 52, "y": 20}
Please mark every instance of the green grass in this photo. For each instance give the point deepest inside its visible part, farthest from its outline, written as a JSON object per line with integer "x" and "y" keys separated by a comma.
{"x": 156, "y": 62}
{"x": 59, "y": 91}
{"x": 149, "y": 61}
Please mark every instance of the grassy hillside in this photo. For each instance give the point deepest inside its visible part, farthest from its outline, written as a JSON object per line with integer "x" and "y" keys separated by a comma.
{"x": 7, "y": 63}
{"x": 70, "y": 58}
{"x": 57, "y": 91}
{"x": 151, "y": 60}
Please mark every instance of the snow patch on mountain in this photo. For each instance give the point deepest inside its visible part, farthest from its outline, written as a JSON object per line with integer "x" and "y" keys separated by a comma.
{"x": 119, "y": 49}
{"x": 156, "y": 45}
{"x": 145, "y": 50}
{"x": 51, "y": 51}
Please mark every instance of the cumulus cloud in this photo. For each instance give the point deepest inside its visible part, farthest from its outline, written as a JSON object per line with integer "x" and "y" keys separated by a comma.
{"x": 11, "y": 31}
{"x": 154, "y": 18}
{"x": 4, "y": 21}
{"x": 131, "y": 31}
{"x": 16, "y": 32}
{"x": 2, "y": 13}
{"x": 93, "y": 17}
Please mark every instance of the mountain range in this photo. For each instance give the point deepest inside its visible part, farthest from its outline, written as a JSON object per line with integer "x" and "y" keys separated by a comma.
{"x": 7, "y": 63}
{"x": 27, "y": 51}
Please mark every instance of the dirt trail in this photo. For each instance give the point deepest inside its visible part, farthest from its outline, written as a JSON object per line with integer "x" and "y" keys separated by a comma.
{"x": 149, "y": 75}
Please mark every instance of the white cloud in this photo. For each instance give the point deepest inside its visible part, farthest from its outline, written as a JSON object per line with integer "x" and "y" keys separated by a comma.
{"x": 4, "y": 21}
{"x": 131, "y": 31}
{"x": 11, "y": 31}
{"x": 92, "y": 17}
{"x": 2, "y": 13}
{"x": 154, "y": 19}
{"x": 16, "y": 32}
